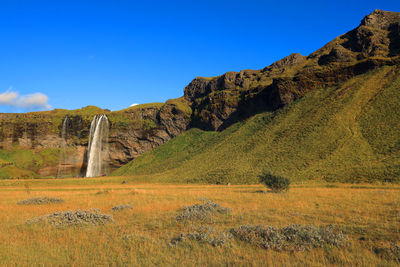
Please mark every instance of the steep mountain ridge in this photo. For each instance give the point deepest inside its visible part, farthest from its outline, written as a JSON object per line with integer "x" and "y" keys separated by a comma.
{"x": 218, "y": 102}
{"x": 332, "y": 115}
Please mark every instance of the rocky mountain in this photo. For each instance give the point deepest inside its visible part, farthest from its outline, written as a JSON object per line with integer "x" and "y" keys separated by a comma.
{"x": 218, "y": 102}
{"x": 333, "y": 115}
{"x": 31, "y": 143}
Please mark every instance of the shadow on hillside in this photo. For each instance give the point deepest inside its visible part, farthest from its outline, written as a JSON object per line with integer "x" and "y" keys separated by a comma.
{"x": 258, "y": 100}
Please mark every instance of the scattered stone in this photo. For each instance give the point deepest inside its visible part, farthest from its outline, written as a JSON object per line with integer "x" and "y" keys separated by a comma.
{"x": 73, "y": 218}
{"x": 290, "y": 238}
{"x": 40, "y": 201}
{"x": 207, "y": 235}
{"x": 121, "y": 207}
{"x": 202, "y": 212}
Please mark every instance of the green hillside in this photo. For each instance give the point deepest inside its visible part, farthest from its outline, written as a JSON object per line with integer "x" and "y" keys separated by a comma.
{"x": 25, "y": 163}
{"x": 350, "y": 132}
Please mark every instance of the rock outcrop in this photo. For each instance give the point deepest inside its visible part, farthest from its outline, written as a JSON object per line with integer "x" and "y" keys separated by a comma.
{"x": 133, "y": 131}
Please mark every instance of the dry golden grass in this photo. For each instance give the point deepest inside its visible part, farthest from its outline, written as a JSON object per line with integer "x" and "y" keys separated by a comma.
{"x": 369, "y": 214}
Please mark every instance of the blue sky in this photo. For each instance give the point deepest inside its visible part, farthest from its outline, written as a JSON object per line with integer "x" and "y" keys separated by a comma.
{"x": 70, "y": 54}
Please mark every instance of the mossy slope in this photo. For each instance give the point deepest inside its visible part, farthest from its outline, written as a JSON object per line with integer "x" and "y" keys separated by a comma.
{"x": 25, "y": 163}
{"x": 349, "y": 132}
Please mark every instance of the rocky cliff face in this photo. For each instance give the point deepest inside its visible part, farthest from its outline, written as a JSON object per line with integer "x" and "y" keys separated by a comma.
{"x": 133, "y": 131}
{"x": 220, "y": 101}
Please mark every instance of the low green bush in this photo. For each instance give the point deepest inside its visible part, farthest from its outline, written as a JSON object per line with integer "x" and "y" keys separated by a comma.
{"x": 274, "y": 182}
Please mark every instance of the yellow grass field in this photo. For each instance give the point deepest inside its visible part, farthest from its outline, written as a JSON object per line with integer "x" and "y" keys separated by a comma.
{"x": 368, "y": 214}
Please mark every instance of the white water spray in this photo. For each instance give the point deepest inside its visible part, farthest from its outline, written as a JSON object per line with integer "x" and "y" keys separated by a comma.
{"x": 61, "y": 171}
{"x": 98, "y": 146}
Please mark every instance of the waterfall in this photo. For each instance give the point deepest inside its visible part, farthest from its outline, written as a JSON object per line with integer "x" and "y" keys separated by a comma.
{"x": 65, "y": 129}
{"x": 98, "y": 146}
{"x": 61, "y": 171}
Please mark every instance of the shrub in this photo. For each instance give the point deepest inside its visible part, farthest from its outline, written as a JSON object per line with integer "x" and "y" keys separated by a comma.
{"x": 206, "y": 235}
{"x": 73, "y": 218}
{"x": 104, "y": 192}
{"x": 202, "y": 212}
{"x": 290, "y": 238}
{"x": 391, "y": 252}
{"x": 121, "y": 207}
{"x": 274, "y": 182}
{"x": 40, "y": 201}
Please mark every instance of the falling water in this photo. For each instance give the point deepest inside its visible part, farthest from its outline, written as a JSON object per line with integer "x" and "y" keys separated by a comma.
{"x": 61, "y": 172}
{"x": 98, "y": 146}
{"x": 65, "y": 129}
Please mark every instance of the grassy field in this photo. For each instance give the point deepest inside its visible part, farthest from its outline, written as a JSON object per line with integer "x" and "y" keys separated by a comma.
{"x": 368, "y": 214}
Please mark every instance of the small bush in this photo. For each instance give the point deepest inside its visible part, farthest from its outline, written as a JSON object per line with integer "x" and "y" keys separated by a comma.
{"x": 274, "y": 182}
{"x": 40, "y": 201}
{"x": 121, "y": 207}
{"x": 104, "y": 192}
{"x": 202, "y": 212}
{"x": 290, "y": 238}
{"x": 205, "y": 235}
{"x": 73, "y": 218}
{"x": 391, "y": 252}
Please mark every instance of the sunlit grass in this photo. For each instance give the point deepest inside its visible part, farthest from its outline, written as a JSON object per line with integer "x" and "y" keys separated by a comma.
{"x": 369, "y": 214}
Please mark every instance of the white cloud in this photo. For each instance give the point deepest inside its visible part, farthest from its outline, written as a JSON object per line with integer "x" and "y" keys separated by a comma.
{"x": 8, "y": 98}
{"x": 134, "y": 104}
{"x": 36, "y": 101}
{"x": 33, "y": 101}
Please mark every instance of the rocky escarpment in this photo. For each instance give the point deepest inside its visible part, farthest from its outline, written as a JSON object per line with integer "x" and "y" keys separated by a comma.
{"x": 218, "y": 102}
{"x": 133, "y": 131}
{"x": 156, "y": 126}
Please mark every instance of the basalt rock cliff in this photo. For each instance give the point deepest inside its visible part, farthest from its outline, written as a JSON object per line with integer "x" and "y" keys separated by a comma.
{"x": 33, "y": 141}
